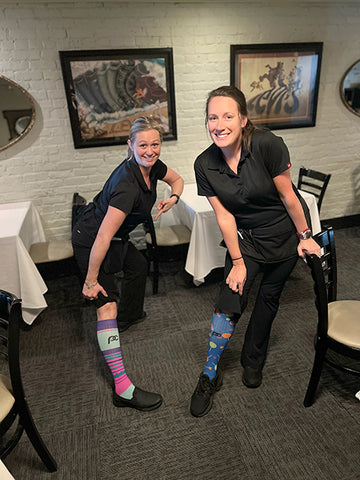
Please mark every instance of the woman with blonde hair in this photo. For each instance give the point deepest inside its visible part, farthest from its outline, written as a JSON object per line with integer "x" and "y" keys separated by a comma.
{"x": 124, "y": 202}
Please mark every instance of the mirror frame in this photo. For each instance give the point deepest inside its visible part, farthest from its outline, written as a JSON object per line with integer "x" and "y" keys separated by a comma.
{"x": 342, "y": 96}
{"x": 33, "y": 116}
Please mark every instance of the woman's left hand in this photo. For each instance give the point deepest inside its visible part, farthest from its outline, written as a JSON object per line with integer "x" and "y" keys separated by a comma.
{"x": 165, "y": 205}
{"x": 308, "y": 246}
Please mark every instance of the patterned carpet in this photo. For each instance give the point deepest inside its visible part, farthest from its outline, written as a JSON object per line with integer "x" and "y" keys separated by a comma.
{"x": 264, "y": 433}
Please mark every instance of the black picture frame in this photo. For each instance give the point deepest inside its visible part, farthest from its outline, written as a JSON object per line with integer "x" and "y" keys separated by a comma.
{"x": 107, "y": 89}
{"x": 280, "y": 82}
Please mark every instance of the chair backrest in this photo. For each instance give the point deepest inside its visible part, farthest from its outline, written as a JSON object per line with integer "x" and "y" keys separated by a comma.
{"x": 313, "y": 182}
{"x": 10, "y": 322}
{"x": 326, "y": 240}
{"x": 10, "y": 367}
{"x": 324, "y": 274}
{"x": 150, "y": 228}
{"x": 78, "y": 205}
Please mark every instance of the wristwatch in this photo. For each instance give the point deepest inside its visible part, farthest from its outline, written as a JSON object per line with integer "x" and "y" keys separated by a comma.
{"x": 177, "y": 197}
{"x": 305, "y": 234}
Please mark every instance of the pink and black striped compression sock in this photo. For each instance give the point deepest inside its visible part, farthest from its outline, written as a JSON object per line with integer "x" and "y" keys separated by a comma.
{"x": 109, "y": 343}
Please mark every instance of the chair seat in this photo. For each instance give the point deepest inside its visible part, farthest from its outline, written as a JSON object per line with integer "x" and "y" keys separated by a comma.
{"x": 344, "y": 322}
{"x": 43, "y": 252}
{"x": 6, "y": 398}
{"x": 170, "y": 236}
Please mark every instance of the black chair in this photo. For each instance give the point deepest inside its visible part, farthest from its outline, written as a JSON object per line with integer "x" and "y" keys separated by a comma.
{"x": 160, "y": 241}
{"x": 152, "y": 251}
{"x": 156, "y": 238}
{"x": 56, "y": 258}
{"x": 78, "y": 205}
{"x": 338, "y": 326}
{"x": 55, "y": 251}
{"x": 13, "y": 404}
{"x": 313, "y": 182}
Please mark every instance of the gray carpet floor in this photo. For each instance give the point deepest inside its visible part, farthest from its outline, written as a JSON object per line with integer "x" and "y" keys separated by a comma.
{"x": 264, "y": 433}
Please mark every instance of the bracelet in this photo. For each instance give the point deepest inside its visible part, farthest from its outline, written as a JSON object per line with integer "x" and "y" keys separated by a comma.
{"x": 234, "y": 259}
{"x": 177, "y": 196}
{"x": 90, "y": 285}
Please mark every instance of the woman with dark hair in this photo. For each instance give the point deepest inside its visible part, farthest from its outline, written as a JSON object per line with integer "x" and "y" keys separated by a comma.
{"x": 124, "y": 202}
{"x": 245, "y": 176}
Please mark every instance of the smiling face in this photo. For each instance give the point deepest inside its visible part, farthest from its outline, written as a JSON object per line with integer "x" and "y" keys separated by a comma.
{"x": 225, "y": 122}
{"x": 146, "y": 147}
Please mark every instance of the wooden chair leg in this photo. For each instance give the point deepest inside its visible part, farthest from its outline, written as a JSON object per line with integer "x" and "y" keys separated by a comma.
{"x": 315, "y": 375}
{"x": 35, "y": 438}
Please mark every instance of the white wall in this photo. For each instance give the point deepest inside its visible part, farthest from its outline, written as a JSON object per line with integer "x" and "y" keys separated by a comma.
{"x": 45, "y": 167}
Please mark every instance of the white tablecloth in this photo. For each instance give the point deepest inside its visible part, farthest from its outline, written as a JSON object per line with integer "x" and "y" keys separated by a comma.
{"x": 20, "y": 226}
{"x": 204, "y": 252}
{"x": 4, "y": 472}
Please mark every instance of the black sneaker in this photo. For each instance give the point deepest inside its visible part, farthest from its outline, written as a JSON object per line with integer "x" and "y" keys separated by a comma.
{"x": 202, "y": 398}
{"x": 124, "y": 325}
{"x": 252, "y": 377}
{"x": 142, "y": 400}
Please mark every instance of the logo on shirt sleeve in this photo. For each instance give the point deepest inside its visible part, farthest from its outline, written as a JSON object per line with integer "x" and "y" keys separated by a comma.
{"x": 289, "y": 165}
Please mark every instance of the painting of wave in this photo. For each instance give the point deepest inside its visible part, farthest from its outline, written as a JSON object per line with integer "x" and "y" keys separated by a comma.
{"x": 109, "y": 95}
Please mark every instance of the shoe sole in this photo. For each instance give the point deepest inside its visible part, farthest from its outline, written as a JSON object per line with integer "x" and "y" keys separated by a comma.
{"x": 218, "y": 386}
{"x": 119, "y": 404}
{"x": 251, "y": 385}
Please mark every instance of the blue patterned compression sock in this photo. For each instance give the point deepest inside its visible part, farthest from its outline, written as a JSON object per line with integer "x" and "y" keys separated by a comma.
{"x": 222, "y": 329}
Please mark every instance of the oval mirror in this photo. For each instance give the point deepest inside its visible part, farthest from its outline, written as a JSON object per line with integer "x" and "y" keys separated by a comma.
{"x": 350, "y": 88}
{"x": 17, "y": 112}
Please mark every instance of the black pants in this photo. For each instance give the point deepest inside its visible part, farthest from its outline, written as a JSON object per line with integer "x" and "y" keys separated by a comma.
{"x": 266, "y": 305}
{"x": 133, "y": 283}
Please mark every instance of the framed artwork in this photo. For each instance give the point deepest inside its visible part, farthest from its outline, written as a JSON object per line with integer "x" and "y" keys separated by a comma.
{"x": 106, "y": 90}
{"x": 280, "y": 82}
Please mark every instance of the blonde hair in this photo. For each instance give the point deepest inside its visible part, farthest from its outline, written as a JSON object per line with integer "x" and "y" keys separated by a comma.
{"x": 141, "y": 124}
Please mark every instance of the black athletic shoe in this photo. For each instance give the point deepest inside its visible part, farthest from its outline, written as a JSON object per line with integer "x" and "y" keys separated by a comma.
{"x": 144, "y": 401}
{"x": 202, "y": 398}
{"x": 252, "y": 377}
{"x": 122, "y": 326}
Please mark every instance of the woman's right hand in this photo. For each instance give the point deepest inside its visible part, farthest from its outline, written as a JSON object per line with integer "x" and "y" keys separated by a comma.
{"x": 93, "y": 292}
{"x": 237, "y": 278}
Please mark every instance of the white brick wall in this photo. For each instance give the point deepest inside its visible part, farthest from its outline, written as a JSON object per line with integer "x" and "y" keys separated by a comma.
{"x": 45, "y": 167}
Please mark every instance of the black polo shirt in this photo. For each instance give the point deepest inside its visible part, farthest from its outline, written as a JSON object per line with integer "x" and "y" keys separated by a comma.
{"x": 251, "y": 196}
{"x": 126, "y": 190}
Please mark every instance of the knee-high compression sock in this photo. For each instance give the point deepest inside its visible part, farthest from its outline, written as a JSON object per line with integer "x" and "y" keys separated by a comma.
{"x": 109, "y": 343}
{"x": 222, "y": 328}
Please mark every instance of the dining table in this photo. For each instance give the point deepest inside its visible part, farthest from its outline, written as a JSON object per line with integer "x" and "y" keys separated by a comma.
{"x": 20, "y": 227}
{"x": 205, "y": 253}
{"x": 4, "y": 472}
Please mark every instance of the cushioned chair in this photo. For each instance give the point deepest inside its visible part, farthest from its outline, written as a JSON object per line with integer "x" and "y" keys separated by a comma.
{"x": 78, "y": 205}
{"x": 338, "y": 326}
{"x": 55, "y": 251}
{"x": 160, "y": 240}
{"x": 13, "y": 404}
{"x": 313, "y": 182}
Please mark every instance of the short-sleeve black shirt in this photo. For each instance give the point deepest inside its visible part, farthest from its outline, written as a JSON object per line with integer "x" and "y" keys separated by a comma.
{"x": 250, "y": 194}
{"x": 126, "y": 190}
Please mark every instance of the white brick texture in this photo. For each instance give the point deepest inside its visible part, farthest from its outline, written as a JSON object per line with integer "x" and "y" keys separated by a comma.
{"x": 45, "y": 168}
